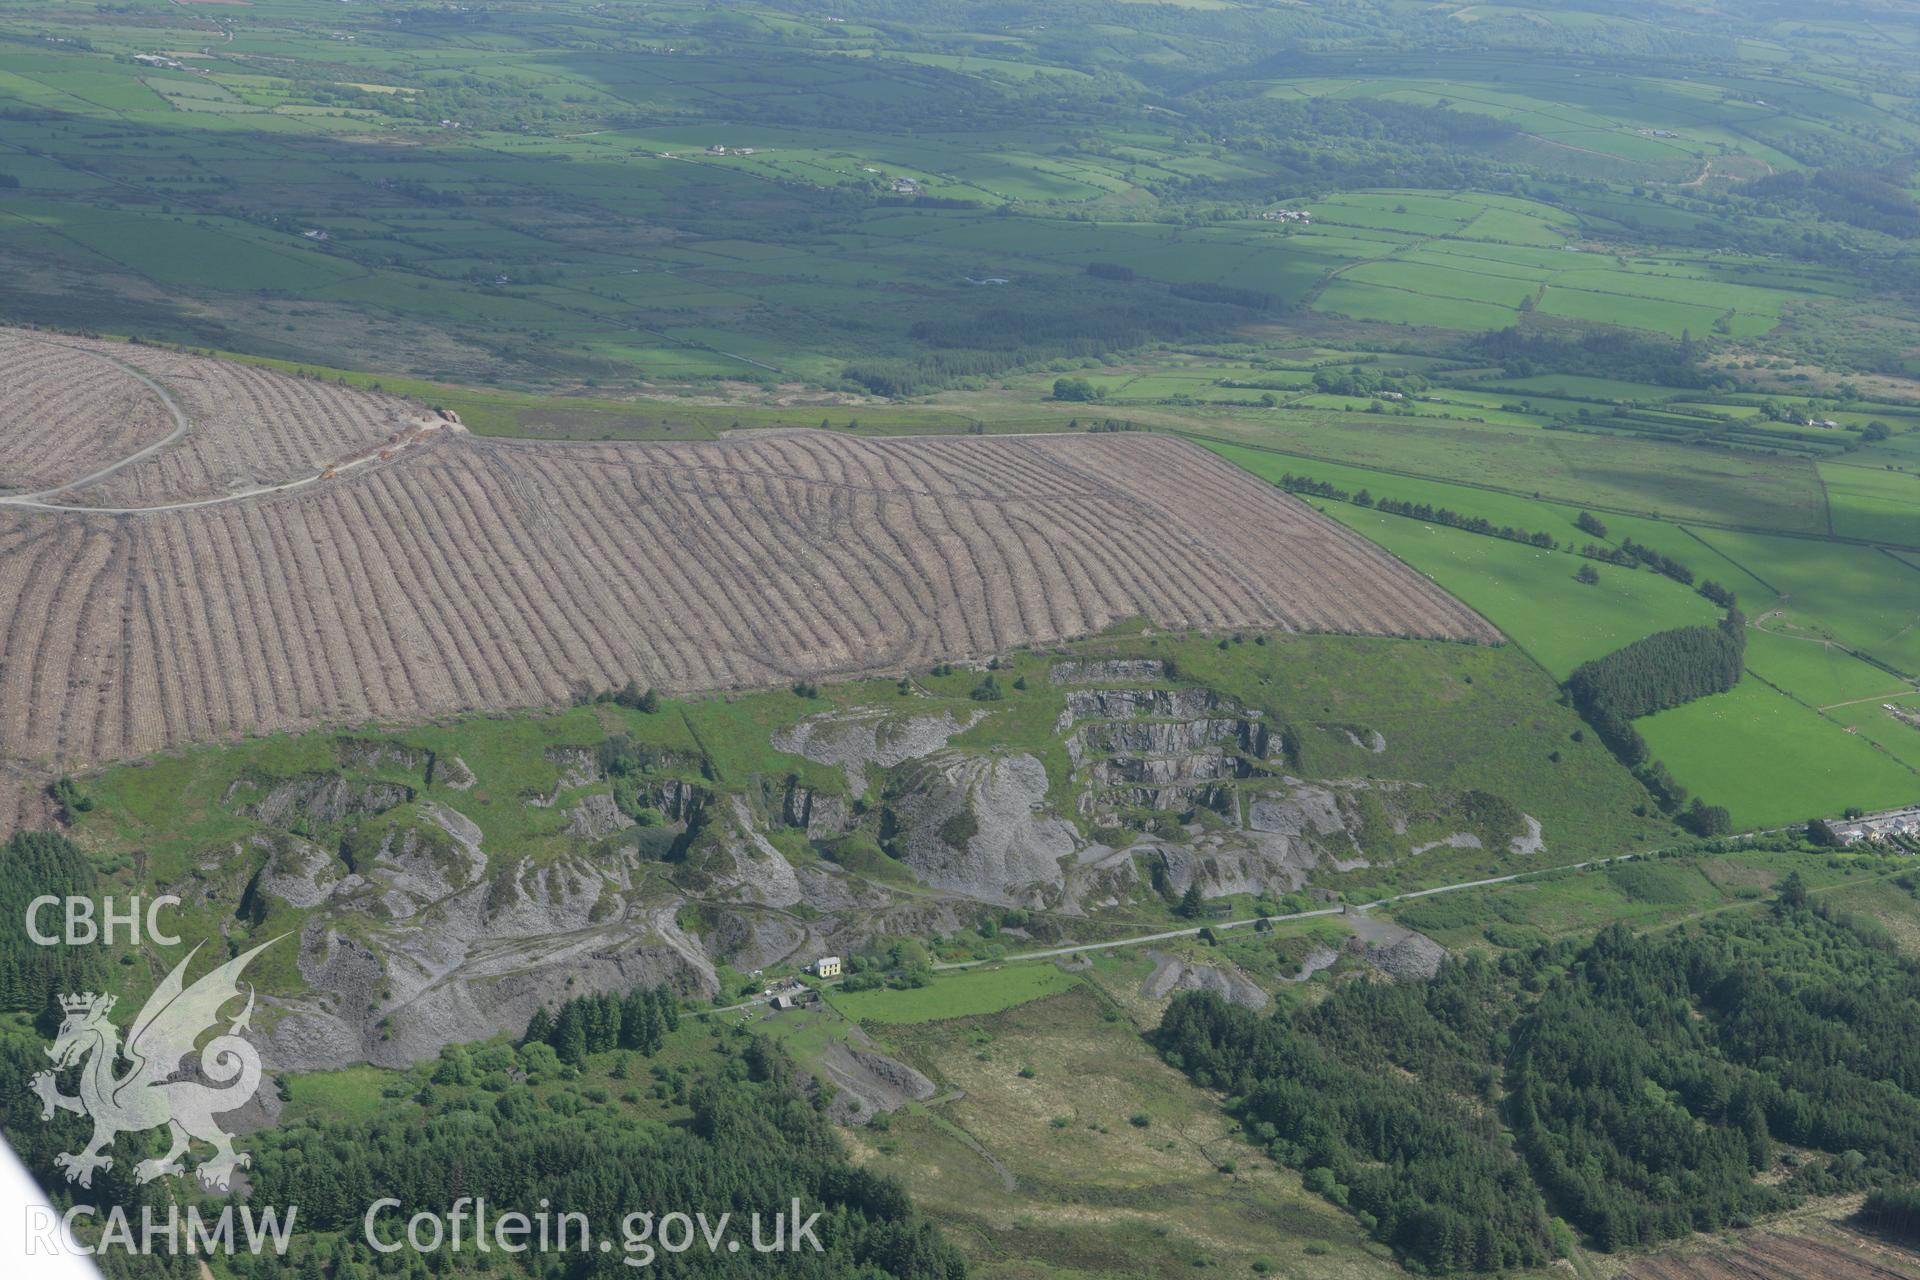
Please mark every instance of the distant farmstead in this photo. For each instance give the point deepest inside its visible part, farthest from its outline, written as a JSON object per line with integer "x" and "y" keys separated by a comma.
{"x": 827, "y": 967}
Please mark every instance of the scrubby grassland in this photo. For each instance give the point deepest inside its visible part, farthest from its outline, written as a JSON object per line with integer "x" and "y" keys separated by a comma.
{"x": 1466, "y": 717}
{"x": 1455, "y": 716}
{"x": 1649, "y": 893}
{"x": 1072, "y": 1150}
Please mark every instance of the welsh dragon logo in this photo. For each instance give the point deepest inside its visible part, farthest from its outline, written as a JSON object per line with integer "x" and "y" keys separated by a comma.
{"x": 145, "y": 1097}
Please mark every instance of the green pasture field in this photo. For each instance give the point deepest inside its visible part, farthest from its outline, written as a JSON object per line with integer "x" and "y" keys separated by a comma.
{"x": 1586, "y": 388}
{"x": 1396, "y": 304}
{"x": 1873, "y": 503}
{"x": 1772, "y": 761}
{"x": 1646, "y": 477}
{"x": 1866, "y": 599}
{"x": 1449, "y": 277}
{"x": 962, "y": 994}
{"x": 1539, "y": 409}
{"x": 1817, "y": 672}
{"x": 1501, "y": 508}
{"x": 1426, "y": 406}
{"x": 1871, "y": 720}
{"x": 1900, "y": 451}
{"x": 1531, "y": 594}
{"x": 782, "y": 256}
{"x": 1671, "y": 318}
{"x": 1443, "y": 282}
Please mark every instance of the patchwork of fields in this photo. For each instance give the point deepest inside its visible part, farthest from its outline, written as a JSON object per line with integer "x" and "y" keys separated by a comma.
{"x": 1834, "y": 628}
{"x": 634, "y": 200}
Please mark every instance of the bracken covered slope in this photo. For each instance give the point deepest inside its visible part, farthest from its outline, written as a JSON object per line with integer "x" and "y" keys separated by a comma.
{"x": 460, "y": 573}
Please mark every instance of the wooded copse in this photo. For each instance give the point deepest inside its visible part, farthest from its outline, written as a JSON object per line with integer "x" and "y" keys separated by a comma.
{"x": 1662, "y": 670}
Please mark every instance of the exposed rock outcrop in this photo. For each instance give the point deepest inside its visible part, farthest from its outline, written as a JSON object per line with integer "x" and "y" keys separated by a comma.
{"x": 1171, "y": 974}
{"x": 677, "y": 800}
{"x": 867, "y": 1083}
{"x": 1165, "y": 737}
{"x": 1395, "y": 949}
{"x": 378, "y": 753}
{"x": 452, "y": 771}
{"x": 862, "y": 740}
{"x": 1100, "y": 670}
{"x": 733, "y": 861}
{"x": 297, "y": 872}
{"x": 754, "y": 940}
{"x": 473, "y": 963}
{"x": 1127, "y": 704}
{"x": 818, "y": 813}
{"x": 1315, "y": 960}
{"x": 596, "y": 817}
{"x": 975, "y": 825}
{"x": 322, "y": 798}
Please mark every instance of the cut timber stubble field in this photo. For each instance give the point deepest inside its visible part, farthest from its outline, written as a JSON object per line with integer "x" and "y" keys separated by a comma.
{"x": 90, "y": 403}
{"x": 451, "y": 573}
{"x": 65, "y": 408}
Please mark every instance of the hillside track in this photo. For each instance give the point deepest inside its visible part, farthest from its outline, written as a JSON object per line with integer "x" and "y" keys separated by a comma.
{"x": 456, "y": 574}
{"x": 124, "y": 426}
{"x": 74, "y": 414}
